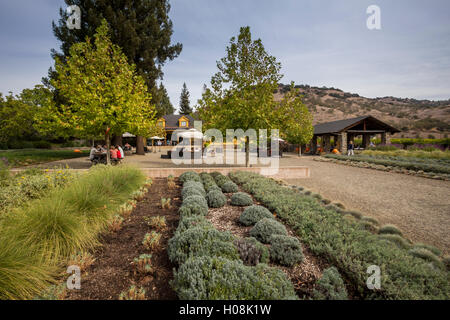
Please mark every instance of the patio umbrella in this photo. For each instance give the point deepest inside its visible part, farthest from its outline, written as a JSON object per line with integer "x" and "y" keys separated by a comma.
{"x": 128, "y": 135}
{"x": 156, "y": 138}
{"x": 190, "y": 134}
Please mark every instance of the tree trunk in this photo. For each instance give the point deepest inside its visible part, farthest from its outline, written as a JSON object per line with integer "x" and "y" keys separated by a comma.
{"x": 117, "y": 140}
{"x": 108, "y": 147}
{"x": 299, "y": 150}
{"x": 247, "y": 151}
{"x": 140, "y": 145}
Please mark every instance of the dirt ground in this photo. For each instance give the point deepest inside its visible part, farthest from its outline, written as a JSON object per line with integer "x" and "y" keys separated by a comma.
{"x": 420, "y": 207}
{"x": 112, "y": 272}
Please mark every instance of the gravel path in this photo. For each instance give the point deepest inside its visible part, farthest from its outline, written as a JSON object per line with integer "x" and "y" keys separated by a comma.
{"x": 420, "y": 207}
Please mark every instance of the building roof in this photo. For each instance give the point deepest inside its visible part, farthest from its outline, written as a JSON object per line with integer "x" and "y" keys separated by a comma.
{"x": 172, "y": 120}
{"x": 370, "y": 124}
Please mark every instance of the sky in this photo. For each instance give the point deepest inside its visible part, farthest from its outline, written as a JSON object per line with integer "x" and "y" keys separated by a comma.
{"x": 318, "y": 42}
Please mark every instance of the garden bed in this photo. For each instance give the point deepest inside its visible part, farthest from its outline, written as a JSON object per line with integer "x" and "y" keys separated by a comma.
{"x": 112, "y": 273}
{"x": 352, "y": 244}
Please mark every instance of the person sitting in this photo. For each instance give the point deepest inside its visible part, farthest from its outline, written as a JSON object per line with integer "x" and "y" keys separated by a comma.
{"x": 120, "y": 153}
{"x": 127, "y": 147}
{"x": 113, "y": 153}
{"x": 92, "y": 153}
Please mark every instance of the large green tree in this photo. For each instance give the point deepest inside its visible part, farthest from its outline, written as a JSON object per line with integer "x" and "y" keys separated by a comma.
{"x": 105, "y": 95}
{"x": 185, "y": 107}
{"x": 241, "y": 94}
{"x": 163, "y": 104}
{"x": 141, "y": 28}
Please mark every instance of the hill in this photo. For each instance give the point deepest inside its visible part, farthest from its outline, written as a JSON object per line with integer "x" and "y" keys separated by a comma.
{"x": 416, "y": 118}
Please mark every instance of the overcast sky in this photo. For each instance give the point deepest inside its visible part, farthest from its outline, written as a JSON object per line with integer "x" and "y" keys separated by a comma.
{"x": 318, "y": 42}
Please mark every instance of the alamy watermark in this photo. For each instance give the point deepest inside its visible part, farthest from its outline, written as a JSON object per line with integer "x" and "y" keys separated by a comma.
{"x": 74, "y": 280}
{"x": 374, "y": 20}
{"x": 190, "y": 148}
{"x": 74, "y": 19}
{"x": 374, "y": 280}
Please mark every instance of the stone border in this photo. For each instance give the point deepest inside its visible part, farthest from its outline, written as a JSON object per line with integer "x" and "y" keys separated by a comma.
{"x": 293, "y": 172}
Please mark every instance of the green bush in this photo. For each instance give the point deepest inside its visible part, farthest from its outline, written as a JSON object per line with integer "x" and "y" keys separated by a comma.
{"x": 285, "y": 250}
{"x": 253, "y": 214}
{"x": 330, "y": 286}
{"x": 241, "y": 199}
{"x": 426, "y": 255}
{"x": 193, "y": 221}
{"x": 216, "y": 278}
{"x": 446, "y": 262}
{"x": 212, "y": 187}
{"x": 193, "y": 205}
{"x": 370, "y": 220}
{"x": 431, "y": 248}
{"x": 229, "y": 187}
{"x": 189, "y": 176}
{"x": 397, "y": 239}
{"x": 189, "y": 191}
{"x": 265, "y": 228}
{"x": 365, "y": 225}
{"x": 389, "y": 229}
{"x": 358, "y": 215}
{"x": 346, "y": 246}
{"x": 198, "y": 241}
{"x": 216, "y": 199}
{"x": 252, "y": 251}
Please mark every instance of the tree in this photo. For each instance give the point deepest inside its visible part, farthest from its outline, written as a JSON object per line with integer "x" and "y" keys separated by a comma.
{"x": 142, "y": 29}
{"x": 184, "y": 101}
{"x": 241, "y": 94}
{"x": 105, "y": 94}
{"x": 163, "y": 104}
{"x": 15, "y": 119}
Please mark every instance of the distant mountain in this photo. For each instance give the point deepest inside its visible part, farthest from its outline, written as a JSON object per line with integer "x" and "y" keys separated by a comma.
{"x": 416, "y": 118}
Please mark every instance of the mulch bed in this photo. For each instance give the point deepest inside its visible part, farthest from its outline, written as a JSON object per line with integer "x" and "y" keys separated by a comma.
{"x": 303, "y": 275}
{"x": 112, "y": 272}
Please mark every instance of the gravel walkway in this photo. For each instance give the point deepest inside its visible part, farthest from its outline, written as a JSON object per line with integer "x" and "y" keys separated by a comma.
{"x": 420, "y": 207}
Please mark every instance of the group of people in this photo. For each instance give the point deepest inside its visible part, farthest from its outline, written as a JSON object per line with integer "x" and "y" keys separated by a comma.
{"x": 116, "y": 152}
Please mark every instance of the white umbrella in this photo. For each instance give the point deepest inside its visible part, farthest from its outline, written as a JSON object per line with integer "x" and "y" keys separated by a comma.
{"x": 128, "y": 135}
{"x": 156, "y": 138}
{"x": 190, "y": 134}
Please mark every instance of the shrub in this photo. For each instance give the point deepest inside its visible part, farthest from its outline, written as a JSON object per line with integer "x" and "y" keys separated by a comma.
{"x": 253, "y": 214}
{"x": 82, "y": 259}
{"x": 143, "y": 264}
{"x": 426, "y": 255}
{"x": 285, "y": 250}
{"x": 339, "y": 205}
{"x": 221, "y": 179}
{"x": 191, "y": 222}
{"x": 212, "y": 187}
{"x": 42, "y": 144}
{"x": 365, "y": 225}
{"x": 370, "y": 220}
{"x": 195, "y": 204}
{"x": 241, "y": 199}
{"x": 265, "y": 228}
{"x": 229, "y": 187}
{"x": 446, "y": 262}
{"x": 189, "y": 176}
{"x": 397, "y": 239}
{"x": 151, "y": 240}
{"x": 158, "y": 222}
{"x": 188, "y": 191}
{"x": 216, "y": 278}
{"x": 133, "y": 293}
{"x": 330, "y": 286}
{"x": 216, "y": 199}
{"x": 197, "y": 241}
{"x": 356, "y": 214}
{"x": 431, "y": 248}
{"x": 116, "y": 223}
{"x": 326, "y": 201}
{"x": 252, "y": 251}
{"x": 166, "y": 203}
{"x": 389, "y": 229}
{"x": 316, "y": 196}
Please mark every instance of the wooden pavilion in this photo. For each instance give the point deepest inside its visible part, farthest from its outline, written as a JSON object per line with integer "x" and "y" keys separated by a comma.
{"x": 347, "y": 130}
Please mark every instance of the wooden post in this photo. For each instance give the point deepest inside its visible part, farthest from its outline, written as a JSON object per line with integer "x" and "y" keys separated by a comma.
{"x": 342, "y": 140}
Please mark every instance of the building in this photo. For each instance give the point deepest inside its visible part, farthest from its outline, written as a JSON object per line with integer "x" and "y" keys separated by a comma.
{"x": 347, "y": 130}
{"x": 172, "y": 122}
